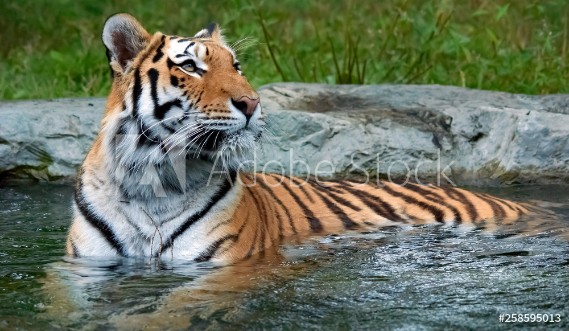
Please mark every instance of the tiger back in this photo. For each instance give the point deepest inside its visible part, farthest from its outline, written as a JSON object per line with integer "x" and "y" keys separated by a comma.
{"x": 177, "y": 106}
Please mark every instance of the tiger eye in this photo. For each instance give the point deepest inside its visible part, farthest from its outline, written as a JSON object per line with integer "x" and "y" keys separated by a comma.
{"x": 190, "y": 66}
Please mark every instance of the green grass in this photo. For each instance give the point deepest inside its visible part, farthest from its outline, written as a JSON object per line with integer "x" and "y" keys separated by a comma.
{"x": 53, "y": 48}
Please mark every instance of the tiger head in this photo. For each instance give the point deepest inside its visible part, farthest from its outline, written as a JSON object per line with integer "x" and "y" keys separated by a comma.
{"x": 183, "y": 93}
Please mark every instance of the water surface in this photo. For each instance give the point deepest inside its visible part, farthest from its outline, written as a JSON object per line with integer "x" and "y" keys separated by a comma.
{"x": 414, "y": 278}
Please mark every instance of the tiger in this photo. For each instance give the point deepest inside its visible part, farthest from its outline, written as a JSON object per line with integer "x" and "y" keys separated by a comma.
{"x": 176, "y": 106}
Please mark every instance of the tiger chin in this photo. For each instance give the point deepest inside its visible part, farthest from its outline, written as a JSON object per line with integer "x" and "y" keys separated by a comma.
{"x": 176, "y": 106}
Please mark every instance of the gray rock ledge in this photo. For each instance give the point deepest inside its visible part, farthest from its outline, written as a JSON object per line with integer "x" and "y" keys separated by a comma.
{"x": 424, "y": 132}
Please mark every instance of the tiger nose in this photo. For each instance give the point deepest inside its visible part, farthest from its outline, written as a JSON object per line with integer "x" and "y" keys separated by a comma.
{"x": 246, "y": 105}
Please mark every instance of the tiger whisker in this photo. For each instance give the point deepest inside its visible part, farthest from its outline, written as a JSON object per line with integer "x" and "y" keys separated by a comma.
{"x": 196, "y": 138}
{"x": 191, "y": 142}
{"x": 180, "y": 133}
{"x": 200, "y": 148}
{"x": 198, "y": 131}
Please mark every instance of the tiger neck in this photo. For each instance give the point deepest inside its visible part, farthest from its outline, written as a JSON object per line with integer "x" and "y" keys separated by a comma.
{"x": 146, "y": 174}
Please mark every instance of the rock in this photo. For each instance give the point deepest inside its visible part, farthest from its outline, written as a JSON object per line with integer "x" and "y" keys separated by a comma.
{"x": 435, "y": 134}
{"x": 47, "y": 140}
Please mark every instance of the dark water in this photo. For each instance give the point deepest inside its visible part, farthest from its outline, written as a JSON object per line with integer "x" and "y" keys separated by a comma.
{"x": 418, "y": 278}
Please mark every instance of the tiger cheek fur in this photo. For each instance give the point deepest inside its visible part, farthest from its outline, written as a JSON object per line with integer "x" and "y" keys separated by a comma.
{"x": 177, "y": 105}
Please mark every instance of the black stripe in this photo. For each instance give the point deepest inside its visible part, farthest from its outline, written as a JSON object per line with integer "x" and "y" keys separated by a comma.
{"x": 153, "y": 77}
{"x": 96, "y": 221}
{"x": 159, "y": 52}
{"x": 227, "y": 221}
{"x": 277, "y": 214}
{"x": 209, "y": 252}
{"x": 274, "y": 196}
{"x": 136, "y": 93}
{"x": 218, "y": 225}
{"x": 513, "y": 208}
{"x": 346, "y": 220}
{"x": 170, "y": 63}
{"x": 498, "y": 211}
{"x": 330, "y": 192}
{"x": 238, "y": 232}
{"x": 280, "y": 225}
{"x": 438, "y": 199}
{"x": 301, "y": 187}
{"x": 266, "y": 202}
{"x": 375, "y": 203}
{"x": 437, "y": 213}
{"x": 220, "y": 194}
{"x": 314, "y": 222}
{"x": 335, "y": 189}
{"x": 460, "y": 197}
{"x": 263, "y": 213}
{"x": 159, "y": 110}
{"x": 253, "y": 243}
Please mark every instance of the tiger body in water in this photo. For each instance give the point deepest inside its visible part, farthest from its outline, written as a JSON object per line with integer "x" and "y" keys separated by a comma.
{"x": 176, "y": 106}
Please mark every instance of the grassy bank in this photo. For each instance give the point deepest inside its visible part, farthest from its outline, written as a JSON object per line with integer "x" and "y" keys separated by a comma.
{"x": 53, "y": 49}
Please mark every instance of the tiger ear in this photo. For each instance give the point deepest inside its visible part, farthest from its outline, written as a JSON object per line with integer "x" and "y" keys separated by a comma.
{"x": 124, "y": 38}
{"x": 212, "y": 31}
